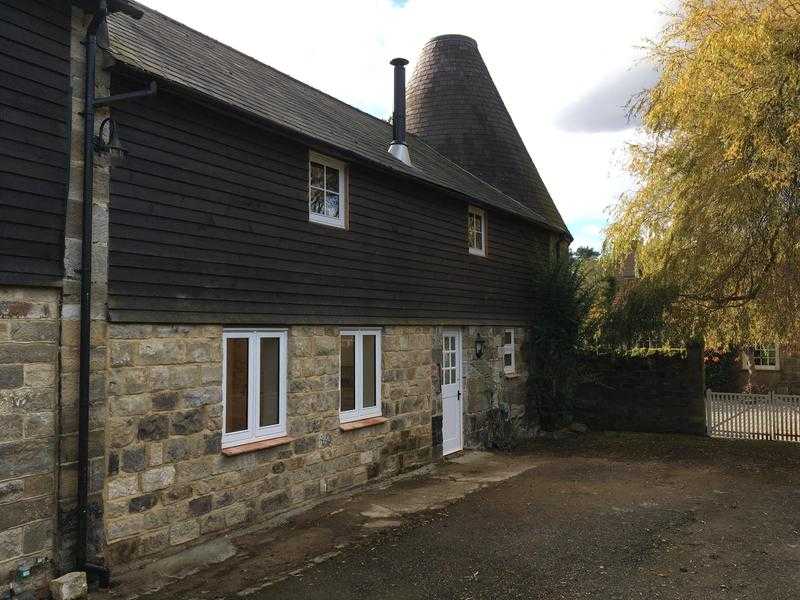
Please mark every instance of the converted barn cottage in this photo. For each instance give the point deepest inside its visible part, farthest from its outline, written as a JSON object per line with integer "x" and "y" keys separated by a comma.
{"x": 238, "y": 295}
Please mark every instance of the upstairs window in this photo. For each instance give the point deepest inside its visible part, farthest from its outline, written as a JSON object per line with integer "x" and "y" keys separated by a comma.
{"x": 253, "y": 386}
{"x": 766, "y": 358}
{"x": 476, "y": 231}
{"x": 509, "y": 360}
{"x": 327, "y": 201}
{"x": 360, "y": 375}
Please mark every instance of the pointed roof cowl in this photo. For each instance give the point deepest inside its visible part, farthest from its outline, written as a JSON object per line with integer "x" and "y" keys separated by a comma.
{"x": 454, "y": 106}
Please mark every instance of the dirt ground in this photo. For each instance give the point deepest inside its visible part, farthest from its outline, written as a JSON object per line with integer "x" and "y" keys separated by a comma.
{"x": 607, "y": 516}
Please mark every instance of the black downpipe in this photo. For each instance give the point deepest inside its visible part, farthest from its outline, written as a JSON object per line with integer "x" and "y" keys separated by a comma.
{"x": 90, "y": 43}
{"x": 91, "y": 102}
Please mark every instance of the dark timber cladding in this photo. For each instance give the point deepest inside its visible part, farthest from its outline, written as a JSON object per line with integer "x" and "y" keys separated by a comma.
{"x": 34, "y": 108}
{"x": 209, "y": 223}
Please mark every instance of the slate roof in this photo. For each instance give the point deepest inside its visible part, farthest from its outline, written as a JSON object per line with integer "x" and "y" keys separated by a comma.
{"x": 164, "y": 48}
{"x": 453, "y": 104}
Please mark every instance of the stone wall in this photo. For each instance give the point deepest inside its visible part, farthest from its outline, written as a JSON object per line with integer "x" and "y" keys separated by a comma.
{"x": 484, "y": 384}
{"x": 168, "y": 484}
{"x": 29, "y": 332}
{"x": 662, "y": 394}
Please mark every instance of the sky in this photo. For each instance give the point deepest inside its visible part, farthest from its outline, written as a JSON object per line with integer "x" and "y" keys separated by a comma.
{"x": 565, "y": 70}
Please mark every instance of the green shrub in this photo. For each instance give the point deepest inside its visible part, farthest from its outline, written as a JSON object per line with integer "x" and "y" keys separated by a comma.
{"x": 557, "y": 339}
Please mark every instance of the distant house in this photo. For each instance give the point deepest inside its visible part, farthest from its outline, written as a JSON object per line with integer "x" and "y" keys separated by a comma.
{"x": 280, "y": 297}
{"x": 764, "y": 367}
{"x": 774, "y": 367}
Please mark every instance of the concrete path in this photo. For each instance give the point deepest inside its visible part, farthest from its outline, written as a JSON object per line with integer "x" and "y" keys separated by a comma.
{"x": 603, "y": 516}
{"x": 244, "y": 563}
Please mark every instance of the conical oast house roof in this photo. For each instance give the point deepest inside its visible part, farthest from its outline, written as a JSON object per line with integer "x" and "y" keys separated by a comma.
{"x": 453, "y": 105}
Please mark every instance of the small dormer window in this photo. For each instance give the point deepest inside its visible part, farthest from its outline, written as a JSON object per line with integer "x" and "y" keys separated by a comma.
{"x": 476, "y": 231}
{"x": 327, "y": 198}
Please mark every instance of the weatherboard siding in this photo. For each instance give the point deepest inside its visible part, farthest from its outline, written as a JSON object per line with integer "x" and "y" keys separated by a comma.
{"x": 34, "y": 104}
{"x": 209, "y": 223}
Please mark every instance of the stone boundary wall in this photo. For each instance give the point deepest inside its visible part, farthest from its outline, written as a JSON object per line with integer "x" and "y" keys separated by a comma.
{"x": 29, "y": 332}
{"x": 168, "y": 485}
{"x": 659, "y": 394}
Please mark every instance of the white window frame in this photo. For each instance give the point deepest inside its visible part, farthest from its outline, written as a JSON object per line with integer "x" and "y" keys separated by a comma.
{"x": 360, "y": 412}
{"x": 330, "y": 163}
{"x": 474, "y": 210}
{"x": 509, "y": 348}
{"x": 254, "y": 431}
{"x": 776, "y": 366}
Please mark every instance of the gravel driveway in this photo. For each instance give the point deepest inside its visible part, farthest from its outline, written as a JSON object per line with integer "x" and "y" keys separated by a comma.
{"x": 601, "y": 516}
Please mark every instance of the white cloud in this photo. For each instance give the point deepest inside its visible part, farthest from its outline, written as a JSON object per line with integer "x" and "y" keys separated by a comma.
{"x": 543, "y": 56}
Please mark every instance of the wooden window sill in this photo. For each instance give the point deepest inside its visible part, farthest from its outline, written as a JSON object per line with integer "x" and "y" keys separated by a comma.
{"x": 511, "y": 375}
{"x": 259, "y": 445}
{"x": 360, "y": 424}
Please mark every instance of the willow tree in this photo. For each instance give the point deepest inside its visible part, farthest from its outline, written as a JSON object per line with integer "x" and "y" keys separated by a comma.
{"x": 716, "y": 216}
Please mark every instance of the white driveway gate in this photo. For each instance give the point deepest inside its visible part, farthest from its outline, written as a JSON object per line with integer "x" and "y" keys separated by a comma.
{"x": 753, "y": 416}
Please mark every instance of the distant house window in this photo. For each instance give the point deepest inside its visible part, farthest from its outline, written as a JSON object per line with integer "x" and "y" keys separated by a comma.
{"x": 476, "y": 231}
{"x": 327, "y": 197}
{"x": 360, "y": 375}
{"x": 509, "y": 360}
{"x": 253, "y": 386}
{"x": 766, "y": 357}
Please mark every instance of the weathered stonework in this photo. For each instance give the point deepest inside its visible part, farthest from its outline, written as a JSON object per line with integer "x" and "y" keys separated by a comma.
{"x": 156, "y": 428}
{"x": 484, "y": 383}
{"x": 168, "y": 484}
{"x": 28, "y": 374}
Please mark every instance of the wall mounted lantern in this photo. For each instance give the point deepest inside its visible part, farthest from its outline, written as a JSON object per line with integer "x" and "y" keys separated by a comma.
{"x": 480, "y": 346}
{"x": 107, "y": 142}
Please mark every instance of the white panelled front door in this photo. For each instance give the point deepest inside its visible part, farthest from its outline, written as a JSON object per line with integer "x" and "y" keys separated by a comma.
{"x": 452, "y": 429}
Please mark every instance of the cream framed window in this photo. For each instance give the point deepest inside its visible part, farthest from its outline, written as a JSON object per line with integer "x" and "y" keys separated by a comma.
{"x": 360, "y": 375}
{"x": 509, "y": 358}
{"x": 327, "y": 190}
{"x": 253, "y": 385}
{"x": 766, "y": 357}
{"x": 476, "y": 231}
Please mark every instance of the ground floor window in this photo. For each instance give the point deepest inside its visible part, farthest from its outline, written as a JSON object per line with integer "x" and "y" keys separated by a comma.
{"x": 360, "y": 375}
{"x": 253, "y": 385}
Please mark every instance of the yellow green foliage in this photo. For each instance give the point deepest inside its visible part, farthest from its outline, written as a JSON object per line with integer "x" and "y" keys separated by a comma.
{"x": 717, "y": 213}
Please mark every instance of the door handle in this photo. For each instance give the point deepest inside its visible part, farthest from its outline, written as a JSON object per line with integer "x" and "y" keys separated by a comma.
{"x": 459, "y": 395}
